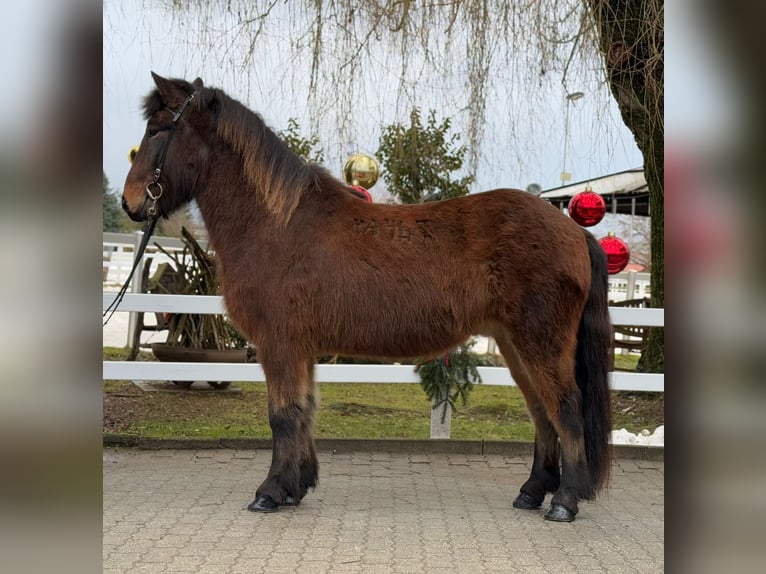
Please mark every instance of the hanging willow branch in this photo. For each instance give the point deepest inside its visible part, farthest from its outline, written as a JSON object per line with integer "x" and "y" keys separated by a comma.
{"x": 361, "y": 56}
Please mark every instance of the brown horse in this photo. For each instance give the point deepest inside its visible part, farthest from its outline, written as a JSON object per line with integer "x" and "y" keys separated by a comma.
{"x": 295, "y": 250}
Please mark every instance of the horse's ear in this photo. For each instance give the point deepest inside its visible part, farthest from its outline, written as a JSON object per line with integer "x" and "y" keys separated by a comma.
{"x": 164, "y": 86}
{"x": 212, "y": 102}
{"x": 197, "y": 84}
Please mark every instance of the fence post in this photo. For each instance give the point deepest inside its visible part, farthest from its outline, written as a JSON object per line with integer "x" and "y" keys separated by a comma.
{"x": 631, "y": 287}
{"x": 135, "y": 286}
{"x": 439, "y": 429}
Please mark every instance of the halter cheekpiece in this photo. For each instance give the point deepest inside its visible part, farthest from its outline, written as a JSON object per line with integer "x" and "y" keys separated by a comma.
{"x": 154, "y": 188}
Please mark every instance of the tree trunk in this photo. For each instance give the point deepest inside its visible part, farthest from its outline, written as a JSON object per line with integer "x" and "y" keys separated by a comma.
{"x": 631, "y": 36}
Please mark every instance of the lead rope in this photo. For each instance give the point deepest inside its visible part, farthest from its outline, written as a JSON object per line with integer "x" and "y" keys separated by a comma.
{"x": 148, "y": 230}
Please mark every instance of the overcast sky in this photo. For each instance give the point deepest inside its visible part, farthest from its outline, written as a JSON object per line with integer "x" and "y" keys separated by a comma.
{"x": 138, "y": 40}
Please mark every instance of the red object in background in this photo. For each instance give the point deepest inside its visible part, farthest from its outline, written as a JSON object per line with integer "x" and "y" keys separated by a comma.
{"x": 587, "y": 208}
{"x": 361, "y": 192}
{"x": 617, "y": 253}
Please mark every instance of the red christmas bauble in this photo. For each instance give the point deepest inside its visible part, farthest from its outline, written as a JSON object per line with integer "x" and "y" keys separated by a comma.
{"x": 587, "y": 208}
{"x": 361, "y": 191}
{"x": 617, "y": 253}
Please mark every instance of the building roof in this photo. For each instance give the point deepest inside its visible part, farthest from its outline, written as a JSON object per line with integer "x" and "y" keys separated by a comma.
{"x": 625, "y": 192}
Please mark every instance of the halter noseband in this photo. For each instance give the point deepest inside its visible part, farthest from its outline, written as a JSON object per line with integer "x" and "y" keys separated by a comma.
{"x": 155, "y": 194}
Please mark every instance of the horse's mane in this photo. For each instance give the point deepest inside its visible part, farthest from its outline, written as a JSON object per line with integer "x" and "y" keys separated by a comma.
{"x": 278, "y": 175}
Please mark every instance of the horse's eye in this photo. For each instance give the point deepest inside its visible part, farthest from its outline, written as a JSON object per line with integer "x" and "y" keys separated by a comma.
{"x": 154, "y": 130}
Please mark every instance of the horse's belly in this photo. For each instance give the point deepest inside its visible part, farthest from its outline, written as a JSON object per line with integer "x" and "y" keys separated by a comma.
{"x": 387, "y": 339}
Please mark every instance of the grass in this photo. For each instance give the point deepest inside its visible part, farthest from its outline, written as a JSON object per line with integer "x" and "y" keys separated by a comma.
{"x": 345, "y": 411}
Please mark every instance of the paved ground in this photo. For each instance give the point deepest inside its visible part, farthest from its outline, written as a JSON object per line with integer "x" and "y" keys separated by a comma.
{"x": 374, "y": 512}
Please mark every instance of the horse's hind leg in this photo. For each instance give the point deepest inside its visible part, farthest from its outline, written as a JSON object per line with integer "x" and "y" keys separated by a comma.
{"x": 562, "y": 401}
{"x": 545, "y": 476}
{"x": 546, "y": 377}
{"x": 294, "y": 467}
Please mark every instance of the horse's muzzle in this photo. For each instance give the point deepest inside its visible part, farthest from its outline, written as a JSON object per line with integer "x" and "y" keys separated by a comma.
{"x": 139, "y": 216}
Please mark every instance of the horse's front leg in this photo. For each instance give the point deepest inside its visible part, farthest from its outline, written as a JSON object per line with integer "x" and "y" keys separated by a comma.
{"x": 294, "y": 466}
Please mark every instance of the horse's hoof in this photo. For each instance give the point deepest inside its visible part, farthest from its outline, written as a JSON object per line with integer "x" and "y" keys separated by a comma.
{"x": 559, "y": 513}
{"x": 263, "y": 504}
{"x": 527, "y": 501}
{"x": 289, "y": 501}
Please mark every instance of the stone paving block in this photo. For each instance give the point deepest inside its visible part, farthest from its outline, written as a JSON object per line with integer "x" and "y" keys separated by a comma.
{"x": 408, "y": 566}
{"x": 584, "y": 563}
{"x": 317, "y": 554}
{"x": 249, "y": 566}
{"x": 149, "y": 568}
{"x": 228, "y": 542}
{"x": 374, "y": 568}
{"x": 379, "y": 557}
{"x": 122, "y": 560}
{"x": 407, "y": 551}
{"x": 136, "y": 546}
{"x": 277, "y": 570}
{"x": 644, "y": 567}
{"x": 185, "y": 563}
{"x": 528, "y": 558}
{"x": 282, "y": 559}
{"x": 209, "y": 568}
{"x": 469, "y": 564}
{"x": 197, "y": 549}
{"x": 159, "y": 555}
{"x": 357, "y": 566}
{"x": 222, "y": 556}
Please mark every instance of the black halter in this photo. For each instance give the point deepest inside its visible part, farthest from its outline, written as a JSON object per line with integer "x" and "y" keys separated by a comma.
{"x": 155, "y": 194}
{"x": 151, "y": 221}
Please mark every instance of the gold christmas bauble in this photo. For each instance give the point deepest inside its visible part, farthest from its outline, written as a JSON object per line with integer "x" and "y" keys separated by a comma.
{"x": 361, "y": 169}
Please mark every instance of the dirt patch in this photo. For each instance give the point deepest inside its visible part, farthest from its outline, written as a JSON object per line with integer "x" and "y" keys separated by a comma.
{"x": 122, "y": 406}
{"x": 638, "y": 411}
{"x": 358, "y": 410}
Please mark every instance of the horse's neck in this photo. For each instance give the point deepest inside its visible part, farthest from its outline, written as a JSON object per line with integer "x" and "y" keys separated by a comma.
{"x": 231, "y": 210}
{"x": 236, "y": 217}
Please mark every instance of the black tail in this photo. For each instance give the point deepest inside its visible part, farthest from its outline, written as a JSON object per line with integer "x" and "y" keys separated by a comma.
{"x": 594, "y": 340}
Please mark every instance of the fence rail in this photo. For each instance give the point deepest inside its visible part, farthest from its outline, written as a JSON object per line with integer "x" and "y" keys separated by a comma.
{"x": 213, "y": 304}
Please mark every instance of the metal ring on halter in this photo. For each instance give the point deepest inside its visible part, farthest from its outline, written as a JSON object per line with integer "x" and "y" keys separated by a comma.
{"x": 149, "y": 190}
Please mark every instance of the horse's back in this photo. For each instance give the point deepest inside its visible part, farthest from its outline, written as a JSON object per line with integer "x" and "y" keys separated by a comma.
{"x": 532, "y": 237}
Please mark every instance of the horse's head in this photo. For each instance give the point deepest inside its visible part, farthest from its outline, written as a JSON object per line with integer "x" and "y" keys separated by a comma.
{"x": 169, "y": 162}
